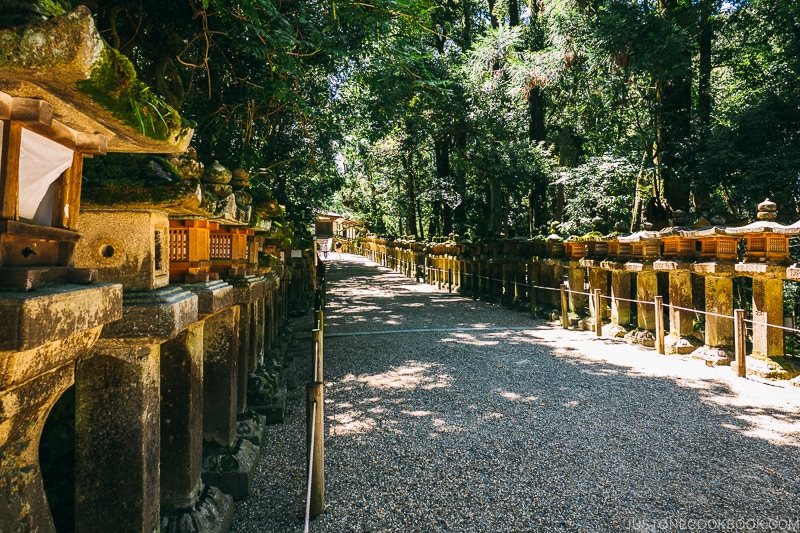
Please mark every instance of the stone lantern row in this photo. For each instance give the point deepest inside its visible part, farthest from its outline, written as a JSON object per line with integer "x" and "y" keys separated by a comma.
{"x": 623, "y": 268}
{"x": 167, "y": 325}
{"x": 196, "y": 351}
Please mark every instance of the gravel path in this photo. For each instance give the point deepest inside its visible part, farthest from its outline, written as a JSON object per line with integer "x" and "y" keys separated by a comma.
{"x": 519, "y": 427}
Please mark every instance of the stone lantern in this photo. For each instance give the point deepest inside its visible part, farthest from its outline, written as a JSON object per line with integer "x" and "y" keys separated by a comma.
{"x": 644, "y": 245}
{"x": 766, "y": 253}
{"x": 46, "y": 324}
{"x": 763, "y": 241}
{"x": 718, "y": 251}
{"x": 574, "y": 249}
{"x": 678, "y": 251}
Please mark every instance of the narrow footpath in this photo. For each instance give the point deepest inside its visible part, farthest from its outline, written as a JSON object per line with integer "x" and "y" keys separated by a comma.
{"x": 453, "y": 415}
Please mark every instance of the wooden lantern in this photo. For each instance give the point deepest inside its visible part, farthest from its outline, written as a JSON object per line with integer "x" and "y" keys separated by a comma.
{"x": 676, "y": 246}
{"x": 190, "y": 251}
{"x": 718, "y": 247}
{"x": 41, "y": 163}
{"x": 229, "y": 250}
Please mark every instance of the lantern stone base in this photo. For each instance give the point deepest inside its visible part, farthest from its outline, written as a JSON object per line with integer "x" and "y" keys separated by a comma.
{"x": 211, "y": 513}
{"x": 642, "y": 337}
{"x": 674, "y": 344}
{"x": 275, "y": 411}
{"x": 614, "y": 330}
{"x": 779, "y": 367}
{"x": 250, "y": 426}
{"x": 231, "y": 469}
{"x": 715, "y": 356}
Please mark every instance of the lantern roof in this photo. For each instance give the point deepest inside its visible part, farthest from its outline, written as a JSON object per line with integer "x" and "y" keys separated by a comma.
{"x": 640, "y": 236}
{"x": 52, "y": 60}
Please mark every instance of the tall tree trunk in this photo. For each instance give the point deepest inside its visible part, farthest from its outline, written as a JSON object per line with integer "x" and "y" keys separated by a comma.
{"x": 513, "y": 13}
{"x": 674, "y": 97}
{"x": 441, "y": 150}
{"x": 496, "y": 207}
{"x": 702, "y": 199}
{"x": 411, "y": 195}
{"x": 460, "y": 210}
{"x": 447, "y": 219}
{"x": 536, "y": 110}
{"x": 492, "y": 18}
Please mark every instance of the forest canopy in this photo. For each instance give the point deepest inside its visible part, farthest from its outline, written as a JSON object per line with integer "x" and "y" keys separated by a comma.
{"x": 483, "y": 117}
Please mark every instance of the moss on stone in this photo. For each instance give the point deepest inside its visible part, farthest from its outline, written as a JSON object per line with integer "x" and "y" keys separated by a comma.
{"x": 54, "y": 8}
{"x": 113, "y": 84}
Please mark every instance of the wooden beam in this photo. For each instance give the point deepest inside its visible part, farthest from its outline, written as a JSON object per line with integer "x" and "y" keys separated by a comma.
{"x": 33, "y": 231}
{"x": 72, "y": 185}
{"x": 66, "y": 202}
{"x": 5, "y": 106}
{"x": 31, "y": 110}
{"x": 9, "y": 170}
{"x": 92, "y": 143}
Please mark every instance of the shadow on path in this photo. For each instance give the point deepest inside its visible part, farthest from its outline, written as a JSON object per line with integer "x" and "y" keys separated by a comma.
{"x": 531, "y": 428}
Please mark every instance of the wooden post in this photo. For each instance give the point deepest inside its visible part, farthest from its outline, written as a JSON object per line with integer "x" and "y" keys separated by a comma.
{"x": 740, "y": 342}
{"x": 659, "y": 302}
{"x": 316, "y": 361}
{"x": 450, "y": 280}
{"x": 315, "y": 446}
{"x": 532, "y": 295}
{"x": 564, "y": 307}
{"x": 598, "y": 318}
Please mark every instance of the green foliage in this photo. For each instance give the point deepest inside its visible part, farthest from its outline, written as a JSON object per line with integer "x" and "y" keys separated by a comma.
{"x": 425, "y": 118}
{"x": 604, "y": 186}
{"x": 114, "y": 84}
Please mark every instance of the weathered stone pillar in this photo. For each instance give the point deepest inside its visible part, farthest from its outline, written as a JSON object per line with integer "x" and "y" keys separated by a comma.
{"x": 598, "y": 279}
{"x": 576, "y": 276}
{"x": 552, "y": 276}
{"x": 681, "y": 322}
{"x": 117, "y": 414}
{"x": 117, "y": 438}
{"x": 719, "y": 301}
{"x": 184, "y": 497}
{"x": 620, "y": 294}
{"x": 220, "y": 376}
{"x": 680, "y": 295}
{"x": 43, "y": 333}
{"x": 646, "y": 291}
{"x": 767, "y": 310}
{"x": 228, "y": 462}
{"x": 247, "y": 291}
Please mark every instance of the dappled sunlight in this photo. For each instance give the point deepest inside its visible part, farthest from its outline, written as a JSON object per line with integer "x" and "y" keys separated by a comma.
{"x": 468, "y": 338}
{"x": 412, "y": 375}
{"x": 417, "y": 413}
{"x": 442, "y": 426}
{"x": 766, "y": 411}
{"x": 349, "y": 422}
{"x": 515, "y": 397}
